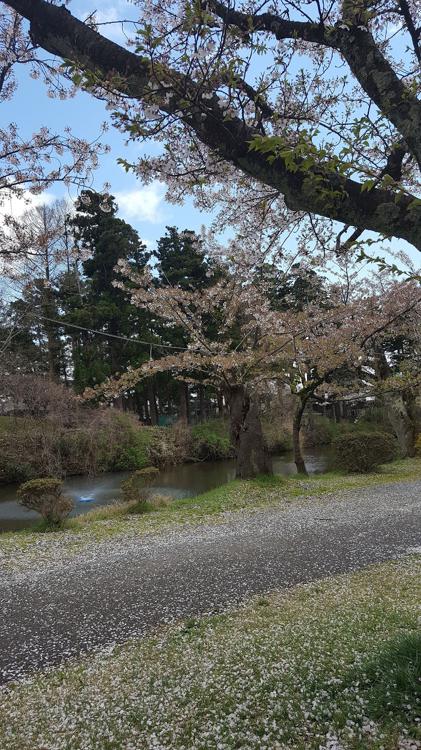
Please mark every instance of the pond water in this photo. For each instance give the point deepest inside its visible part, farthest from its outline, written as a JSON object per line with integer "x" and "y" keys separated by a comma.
{"x": 185, "y": 480}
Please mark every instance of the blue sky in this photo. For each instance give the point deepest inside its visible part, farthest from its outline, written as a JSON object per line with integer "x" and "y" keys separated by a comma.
{"x": 143, "y": 206}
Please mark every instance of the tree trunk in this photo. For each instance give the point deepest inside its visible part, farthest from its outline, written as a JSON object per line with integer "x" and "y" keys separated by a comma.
{"x": 183, "y": 403}
{"x": 153, "y": 409}
{"x": 49, "y": 310}
{"x": 296, "y": 428}
{"x": 403, "y": 425}
{"x": 202, "y": 406}
{"x": 118, "y": 403}
{"x": 252, "y": 455}
{"x": 220, "y": 402}
{"x": 141, "y": 406}
{"x": 398, "y": 410}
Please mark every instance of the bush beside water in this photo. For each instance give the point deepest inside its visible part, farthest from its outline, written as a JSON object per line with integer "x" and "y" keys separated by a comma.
{"x": 210, "y": 440}
{"x": 99, "y": 441}
{"x": 363, "y": 451}
{"x": 134, "y": 488}
{"x": 46, "y": 498}
{"x": 96, "y": 441}
{"x": 320, "y": 430}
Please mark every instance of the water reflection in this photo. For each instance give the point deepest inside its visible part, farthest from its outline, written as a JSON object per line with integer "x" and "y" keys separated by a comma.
{"x": 186, "y": 480}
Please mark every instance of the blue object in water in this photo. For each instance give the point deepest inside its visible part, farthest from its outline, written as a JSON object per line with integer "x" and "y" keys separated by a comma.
{"x": 86, "y": 499}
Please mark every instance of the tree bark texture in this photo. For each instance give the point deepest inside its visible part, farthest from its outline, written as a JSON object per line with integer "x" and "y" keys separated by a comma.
{"x": 252, "y": 455}
{"x": 296, "y": 430}
{"x": 153, "y": 408}
{"x": 402, "y": 422}
{"x": 183, "y": 403}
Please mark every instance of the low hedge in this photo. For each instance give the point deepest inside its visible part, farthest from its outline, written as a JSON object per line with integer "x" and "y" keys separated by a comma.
{"x": 362, "y": 452}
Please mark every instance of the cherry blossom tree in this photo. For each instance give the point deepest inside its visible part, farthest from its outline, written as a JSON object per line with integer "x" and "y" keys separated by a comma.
{"x": 252, "y": 342}
{"x": 233, "y": 346}
{"x": 348, "y": 349}
{"x": 29, "y": 164}
{"x": 287, "y": 114}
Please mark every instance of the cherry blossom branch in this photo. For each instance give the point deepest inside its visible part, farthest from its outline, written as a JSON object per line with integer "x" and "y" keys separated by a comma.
{"x": 365, "y": 60}
{"x": 316, "y": 189}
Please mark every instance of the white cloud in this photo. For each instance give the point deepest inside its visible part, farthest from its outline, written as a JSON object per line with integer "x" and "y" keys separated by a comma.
{"x": 107, "y": 18}
{"x": 16, "y": 206}
{"x": 143, "y": 204}
{"x": 110, "y": 17}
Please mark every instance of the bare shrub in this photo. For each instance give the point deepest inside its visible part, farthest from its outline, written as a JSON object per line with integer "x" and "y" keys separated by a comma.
{"x": 45, "y": 497}
{"x": 134, "y": 488}
{"x": 39, "y": 396}
{"x": 159, "y": 501}
{"x": 171, "y": 446}
{"x": 89, "y": 441}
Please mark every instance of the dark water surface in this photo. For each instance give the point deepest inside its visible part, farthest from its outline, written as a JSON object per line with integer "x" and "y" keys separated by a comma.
{"x": 185, "y": 480}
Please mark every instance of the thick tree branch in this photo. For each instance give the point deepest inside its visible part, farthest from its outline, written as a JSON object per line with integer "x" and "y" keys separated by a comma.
{"x": 367, "y": 63}
{"x": 394, "y": 161}
{"x": 393, "y": 168}
{"x": 413, "y": 32}
{"x": 315, "y": 190}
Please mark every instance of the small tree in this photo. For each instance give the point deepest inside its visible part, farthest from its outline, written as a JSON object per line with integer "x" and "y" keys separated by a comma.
{"x": 45, "y": 497}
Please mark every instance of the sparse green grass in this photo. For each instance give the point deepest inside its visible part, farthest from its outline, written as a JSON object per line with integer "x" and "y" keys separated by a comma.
{"x": 271, "y": 490}
{"x": 394, "y": 676}
{"x": 305, "y": 669}
{"x": 277, "y": 491}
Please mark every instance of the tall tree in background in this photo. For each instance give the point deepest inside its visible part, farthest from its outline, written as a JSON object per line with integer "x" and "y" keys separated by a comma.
{"x": 38, "y": 246}
{"x": 19, "y": 344}
{"x": 102, "y": 239}
{"x": 182, "y": 263}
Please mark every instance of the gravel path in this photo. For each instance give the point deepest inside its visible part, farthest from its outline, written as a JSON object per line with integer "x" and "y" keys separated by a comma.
{"x": 131, "y": 585}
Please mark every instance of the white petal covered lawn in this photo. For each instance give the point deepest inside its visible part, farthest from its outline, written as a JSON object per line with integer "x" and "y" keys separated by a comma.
{"x": 306, "y": 669}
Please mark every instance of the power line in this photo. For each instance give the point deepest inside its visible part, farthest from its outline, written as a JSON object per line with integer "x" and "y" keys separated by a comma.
{"x": 142, "y": 342}
{"x": 112, "y": 335}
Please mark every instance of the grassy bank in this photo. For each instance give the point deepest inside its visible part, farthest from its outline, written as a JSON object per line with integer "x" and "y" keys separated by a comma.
{"x": 21, "y": 548}
{"x": 256, "y": 493}
{"x": 95, "y": 441}
{"x": 325, "y": 666}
